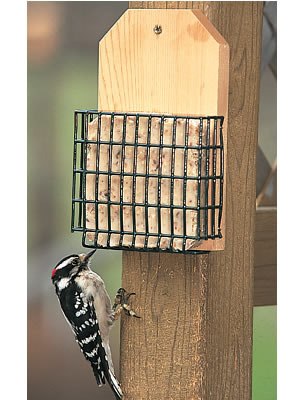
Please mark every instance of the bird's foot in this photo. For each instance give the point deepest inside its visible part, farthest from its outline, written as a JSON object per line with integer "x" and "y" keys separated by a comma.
{"x": 121, "y": 300}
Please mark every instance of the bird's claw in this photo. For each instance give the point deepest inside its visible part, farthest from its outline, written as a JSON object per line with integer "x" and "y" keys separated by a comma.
{"x": 121, "y": 300}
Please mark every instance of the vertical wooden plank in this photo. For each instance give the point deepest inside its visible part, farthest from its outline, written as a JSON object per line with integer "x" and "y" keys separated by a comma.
{"x": 166, "y": 350}
{"x": 195, "y": 338}
{"x": 163, "y": 355}
{"x": 265, "y": 257}
{"x": 230, "y": 274}
{"x": 137, "y": 4}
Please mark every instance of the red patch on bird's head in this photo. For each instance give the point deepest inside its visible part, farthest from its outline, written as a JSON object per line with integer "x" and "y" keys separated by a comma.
{"x": 53, "y": 273}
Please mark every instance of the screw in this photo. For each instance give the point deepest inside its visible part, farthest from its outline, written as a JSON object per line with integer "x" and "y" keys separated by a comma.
{"x": 157, "y": 29}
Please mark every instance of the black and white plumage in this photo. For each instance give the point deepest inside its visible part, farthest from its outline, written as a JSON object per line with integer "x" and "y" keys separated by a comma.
{"x": 87, "y": 308}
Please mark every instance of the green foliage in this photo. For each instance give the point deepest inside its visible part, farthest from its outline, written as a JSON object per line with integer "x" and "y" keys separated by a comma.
{"x": 264, "y": 353}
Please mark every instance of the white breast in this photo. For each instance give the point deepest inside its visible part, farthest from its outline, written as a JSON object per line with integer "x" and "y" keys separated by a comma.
{"x": 92, "y": 285}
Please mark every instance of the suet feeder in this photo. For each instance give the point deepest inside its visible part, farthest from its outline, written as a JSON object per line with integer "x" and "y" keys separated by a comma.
{"x": 150, "y": 164}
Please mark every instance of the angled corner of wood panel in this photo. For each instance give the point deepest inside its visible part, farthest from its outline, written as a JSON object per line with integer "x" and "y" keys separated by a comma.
{"x": 210, "y": 28}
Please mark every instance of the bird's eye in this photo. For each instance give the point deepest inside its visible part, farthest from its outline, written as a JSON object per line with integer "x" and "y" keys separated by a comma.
{"x": 74, "y": 262}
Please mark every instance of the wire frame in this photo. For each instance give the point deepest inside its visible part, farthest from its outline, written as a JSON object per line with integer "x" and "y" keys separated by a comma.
{"x": 170, "y": 197}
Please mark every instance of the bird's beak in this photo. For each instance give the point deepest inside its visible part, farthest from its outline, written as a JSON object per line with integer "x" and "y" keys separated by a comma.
{"x": 84, "y": 258}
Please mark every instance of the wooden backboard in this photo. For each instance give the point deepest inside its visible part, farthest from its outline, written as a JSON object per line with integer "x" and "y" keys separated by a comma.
{"x": 181, "y": 71}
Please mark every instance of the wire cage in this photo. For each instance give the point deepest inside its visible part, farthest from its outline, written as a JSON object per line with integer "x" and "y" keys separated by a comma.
{"x": 147, "y": 182}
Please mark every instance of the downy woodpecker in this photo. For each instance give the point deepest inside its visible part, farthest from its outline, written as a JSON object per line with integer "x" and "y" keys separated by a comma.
{"x": 88, "y": 310}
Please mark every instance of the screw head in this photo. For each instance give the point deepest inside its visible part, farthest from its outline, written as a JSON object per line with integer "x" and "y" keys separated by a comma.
{"x": 157, "y": 29}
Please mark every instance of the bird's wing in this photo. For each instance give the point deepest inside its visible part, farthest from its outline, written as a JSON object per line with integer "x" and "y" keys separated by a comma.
{"x": 80, "y": 313}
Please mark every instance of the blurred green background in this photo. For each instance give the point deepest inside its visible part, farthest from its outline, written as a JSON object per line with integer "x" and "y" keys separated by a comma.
{"x": 62, "y": 76}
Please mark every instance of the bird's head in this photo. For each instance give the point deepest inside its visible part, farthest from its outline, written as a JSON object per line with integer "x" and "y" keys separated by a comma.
{"x": 71, "y": 265}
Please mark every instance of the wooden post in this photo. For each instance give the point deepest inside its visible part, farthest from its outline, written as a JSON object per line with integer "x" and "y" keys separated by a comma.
{"x": 194, "y": 340}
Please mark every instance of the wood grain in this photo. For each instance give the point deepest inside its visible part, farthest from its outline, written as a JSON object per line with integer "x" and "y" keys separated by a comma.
{"x": 230, "y": 274}
{"x": 182, "y": 71}
{"x": 163, "y": 355}
{"x": 265, "y": 257}
{"x": 197, "y": 310}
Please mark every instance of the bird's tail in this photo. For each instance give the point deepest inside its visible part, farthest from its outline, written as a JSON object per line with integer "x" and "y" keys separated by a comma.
{"x": 115, "y": 385}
